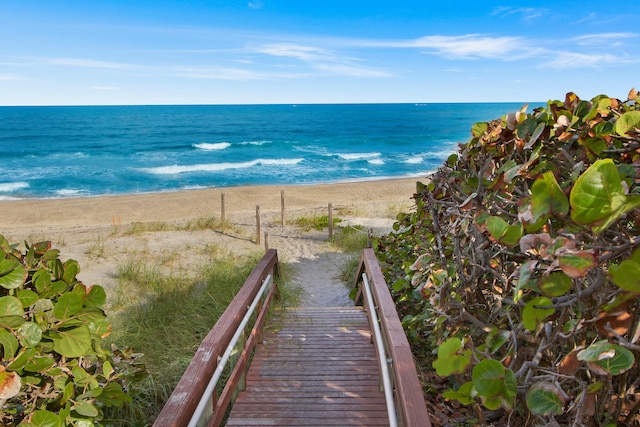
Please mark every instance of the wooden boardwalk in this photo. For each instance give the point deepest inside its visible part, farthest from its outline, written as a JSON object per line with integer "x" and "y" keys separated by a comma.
{"x": 318, "y": 368}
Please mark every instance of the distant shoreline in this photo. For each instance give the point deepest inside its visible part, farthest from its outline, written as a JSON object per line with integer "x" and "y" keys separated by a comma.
{"x": 45, "y": 216}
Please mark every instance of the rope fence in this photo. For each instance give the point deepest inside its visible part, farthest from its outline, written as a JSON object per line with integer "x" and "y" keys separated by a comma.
{"x": 258, "y": 221}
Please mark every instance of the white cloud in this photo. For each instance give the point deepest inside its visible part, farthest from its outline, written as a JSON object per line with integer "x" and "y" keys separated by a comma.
{"x": 322, "y": 60}
{"x": 471, "y": 46}
{"x": 565, "y": 60}
{"x": 352, "y": 71}
{"x": 218, "y": 73}
{"x": 303, "y": 53}
{"x": 88, "y": 63}
{"x": 607, "y": 39}
{"x": 525, "y": 12}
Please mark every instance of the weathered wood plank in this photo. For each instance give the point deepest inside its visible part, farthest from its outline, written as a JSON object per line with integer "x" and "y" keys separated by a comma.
{"x": 320, "y": 368}
{"x": 409, "y": 393}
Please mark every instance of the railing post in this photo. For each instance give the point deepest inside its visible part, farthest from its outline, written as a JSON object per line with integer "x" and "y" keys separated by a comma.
{"x": 222, "y": 207}
{"x": 258, "y": 232}
{"x": 330, "y": 215}
{"x": 282, "y": 221}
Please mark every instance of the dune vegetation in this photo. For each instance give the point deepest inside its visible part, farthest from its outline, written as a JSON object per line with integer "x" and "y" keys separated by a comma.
{"x": 518, "y": 275}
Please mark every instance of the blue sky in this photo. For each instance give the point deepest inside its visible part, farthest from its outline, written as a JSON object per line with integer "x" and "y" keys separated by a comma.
{"x": 305, "y": 51}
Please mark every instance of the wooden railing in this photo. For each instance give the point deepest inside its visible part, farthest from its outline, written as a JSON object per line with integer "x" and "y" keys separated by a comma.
{"x": 185, "y": 399}
{"x": 410, "y": 406}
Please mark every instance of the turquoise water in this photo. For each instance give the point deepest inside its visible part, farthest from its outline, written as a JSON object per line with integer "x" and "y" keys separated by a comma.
{"x": 87, "y": 151}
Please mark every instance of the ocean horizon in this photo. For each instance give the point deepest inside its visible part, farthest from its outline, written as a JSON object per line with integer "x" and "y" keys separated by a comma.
{"x": 83, "y": 151}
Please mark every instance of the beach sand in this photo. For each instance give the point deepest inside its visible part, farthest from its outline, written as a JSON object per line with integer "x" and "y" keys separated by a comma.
{"x": 102, "y": 233}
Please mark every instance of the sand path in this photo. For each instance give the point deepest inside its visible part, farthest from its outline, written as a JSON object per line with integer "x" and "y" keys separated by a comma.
{"x": 105, "y": 233}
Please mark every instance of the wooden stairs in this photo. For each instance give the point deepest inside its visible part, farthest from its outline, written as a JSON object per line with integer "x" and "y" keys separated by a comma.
{"x": 318, "y": 368}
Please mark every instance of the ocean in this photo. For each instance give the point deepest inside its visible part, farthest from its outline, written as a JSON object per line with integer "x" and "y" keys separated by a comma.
{"x": 53, "y": 152}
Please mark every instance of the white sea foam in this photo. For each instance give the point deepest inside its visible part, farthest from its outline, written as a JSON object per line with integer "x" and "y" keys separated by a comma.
{"x": 255, "y": 142}
{"x": 210, "y": 147}
{"x": 6, "y": 187}
{"x": 358, "y": 156}
{"x": 376, "y": 162}
{"x": 66, "y": 192}
{"x": 216, "y": 167}
{"x": 414, "y": 160}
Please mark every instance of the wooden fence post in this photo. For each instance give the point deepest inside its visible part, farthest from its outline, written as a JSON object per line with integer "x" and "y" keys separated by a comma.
{"x": 258, "y": 232}
{"x": 266, "y": 241}
{"x": 221, "y": 206}
{"x": 282, "y": 222}
{"x": 330, "y": 221}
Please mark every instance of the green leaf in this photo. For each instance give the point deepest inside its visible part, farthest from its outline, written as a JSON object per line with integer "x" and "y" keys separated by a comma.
{"x": 619, "y": 363}
{"x": 113, "y": 395}
{"x": 478, "y": 129}
{"x": 29, "y": 334}
{"x": 595, "y": 351}
{"x": 627, "y": 122}
{"x": 488, "y": 377}
{"x": 503, "y": 232}
{"x": 39, "y": 363}
{"x": 9, "y": 344}
{"x": 532, "y": 315}
{"x": 12, "y": 274}
{"x": 450, "y": 358}
{"x": 594, "y": 144}
{"x": 598, "y": 199}
{"x": 496, "y": 385}
{"x": 10, "y": 306}
{"x": 42, "y": 418}
{"x": 96, "y": 297}
{"x": 67, "y": 305}
{"x": 626, "y": 275}
{"x": 524, "y": 279}
{"x": 86, "y": 409}
{"x": 73, "y": 342}
{"x": 71, "y": 270}
{"x": 547, "y": 198}
{"x": 555, "y": 284}
{"x": 27, "y": 297}
{"x": 545, "y": 398}
{"x": 463, "y": 395}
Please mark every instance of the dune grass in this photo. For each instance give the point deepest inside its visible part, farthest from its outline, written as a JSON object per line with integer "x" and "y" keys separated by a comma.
{"x": 351, "y": 241}
{"x": 165, "y": 317}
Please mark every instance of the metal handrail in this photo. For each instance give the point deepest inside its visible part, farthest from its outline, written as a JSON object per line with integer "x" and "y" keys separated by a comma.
{"x": 222, "y": 360}
{"x": 382, "y": 355}
{"x": 410, "y": 405}
{"x": 186, "y": 396}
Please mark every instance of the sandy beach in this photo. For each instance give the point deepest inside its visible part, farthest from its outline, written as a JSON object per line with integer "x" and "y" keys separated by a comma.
{"x": 162, "y": 228}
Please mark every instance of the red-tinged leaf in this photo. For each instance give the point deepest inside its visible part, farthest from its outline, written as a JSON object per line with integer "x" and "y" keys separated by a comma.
{"x": 598, "y": 370}
{"x": 589, "y": 405}
{"x": 531, "y": 243}
{"x": 620, "y": 322}
{"x": 570, "y": 364}
{"x": 577, "y": 264}
{"x": 10, "y": 383}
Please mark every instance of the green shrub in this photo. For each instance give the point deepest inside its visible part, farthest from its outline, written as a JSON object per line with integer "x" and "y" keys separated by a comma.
{"x": 519, "y": 272}
{"x": 54, "y": 369}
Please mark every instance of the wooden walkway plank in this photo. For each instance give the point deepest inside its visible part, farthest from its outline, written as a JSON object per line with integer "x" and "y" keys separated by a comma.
{"x": 318, "y": 369}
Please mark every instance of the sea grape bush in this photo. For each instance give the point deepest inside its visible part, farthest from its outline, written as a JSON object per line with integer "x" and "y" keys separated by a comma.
{"x": 519, "y": 271}
{"x": 54, "y": 370}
